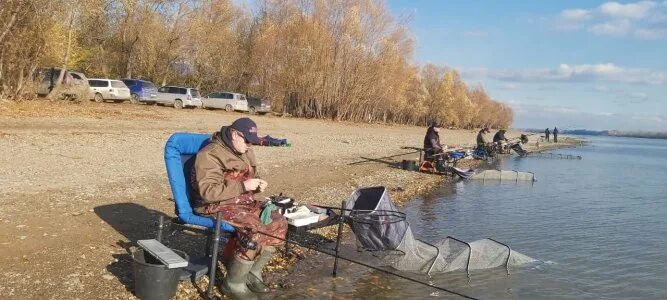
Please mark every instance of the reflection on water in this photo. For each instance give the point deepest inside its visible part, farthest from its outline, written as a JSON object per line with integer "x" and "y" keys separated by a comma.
{"x": 598, "y": 224}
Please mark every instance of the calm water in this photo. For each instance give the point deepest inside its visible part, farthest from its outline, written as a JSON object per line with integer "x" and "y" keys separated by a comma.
{"x": 599, "y": 224}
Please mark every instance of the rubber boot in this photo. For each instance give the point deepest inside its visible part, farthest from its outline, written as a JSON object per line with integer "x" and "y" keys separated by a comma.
{"x": 255, "y": 281}
{"x": 234, "y": 285}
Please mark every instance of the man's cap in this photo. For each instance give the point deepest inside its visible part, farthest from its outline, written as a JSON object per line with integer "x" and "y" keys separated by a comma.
{"x": 248, "y": 128}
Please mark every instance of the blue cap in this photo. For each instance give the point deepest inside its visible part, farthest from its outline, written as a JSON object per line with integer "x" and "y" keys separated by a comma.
{"x": 248, "y": 128}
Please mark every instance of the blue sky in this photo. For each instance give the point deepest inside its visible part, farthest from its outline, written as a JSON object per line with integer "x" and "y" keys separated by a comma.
{"x": 571, "y": 64}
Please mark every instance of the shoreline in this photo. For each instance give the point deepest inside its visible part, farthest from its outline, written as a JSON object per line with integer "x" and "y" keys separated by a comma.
{"x": 436, "y": 182}
{"x": 80, "y": 184}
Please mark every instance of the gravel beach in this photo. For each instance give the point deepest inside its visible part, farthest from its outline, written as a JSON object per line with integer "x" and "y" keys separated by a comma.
{"x": 79, "y": 183}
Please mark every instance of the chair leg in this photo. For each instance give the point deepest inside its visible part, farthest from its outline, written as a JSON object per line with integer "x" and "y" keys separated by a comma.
{"x": 209, "y": 243}
{"x": 214, "y": 257}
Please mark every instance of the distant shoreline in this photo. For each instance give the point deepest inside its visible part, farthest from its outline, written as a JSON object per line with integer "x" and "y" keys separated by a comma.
{"x": 611, "y": 133}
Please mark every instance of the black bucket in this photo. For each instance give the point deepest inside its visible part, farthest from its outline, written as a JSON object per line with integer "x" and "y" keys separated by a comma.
{"x": 152, "y": 279}
{"x": 409, "y": 165}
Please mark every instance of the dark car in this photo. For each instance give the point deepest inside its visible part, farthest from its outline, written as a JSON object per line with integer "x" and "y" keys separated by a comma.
{"x": 141, "y": 91}
{"x": 258, "y": 105}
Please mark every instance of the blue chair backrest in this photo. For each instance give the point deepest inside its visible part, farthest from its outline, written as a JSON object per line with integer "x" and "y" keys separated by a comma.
{"x": 179, "y": 153}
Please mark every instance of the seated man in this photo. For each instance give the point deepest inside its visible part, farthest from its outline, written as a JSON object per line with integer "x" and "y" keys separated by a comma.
{"x": 482, "y": 142}
{"x": 500, "y": 136}
{"x": 432, "y": 145}
{"x": 224, "y": 179}
{"x": 434, "y": 158}
{"x": 500, "y": 140}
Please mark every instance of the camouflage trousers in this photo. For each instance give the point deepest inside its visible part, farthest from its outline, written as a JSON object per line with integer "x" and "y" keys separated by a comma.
{"x": 244, "y": 214}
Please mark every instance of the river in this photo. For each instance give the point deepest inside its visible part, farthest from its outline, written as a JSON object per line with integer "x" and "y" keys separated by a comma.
{"x": 599, "y": 226}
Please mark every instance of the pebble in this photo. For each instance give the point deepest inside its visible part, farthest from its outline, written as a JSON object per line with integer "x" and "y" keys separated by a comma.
{"x": 107, "y": 277}
{"x": 23, "y": 237}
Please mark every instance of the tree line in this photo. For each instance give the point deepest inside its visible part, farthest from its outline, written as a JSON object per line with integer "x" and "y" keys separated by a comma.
{"x": 339, "y": 59}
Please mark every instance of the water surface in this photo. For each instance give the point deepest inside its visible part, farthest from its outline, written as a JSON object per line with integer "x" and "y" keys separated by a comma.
{"x": 599, "y": 224}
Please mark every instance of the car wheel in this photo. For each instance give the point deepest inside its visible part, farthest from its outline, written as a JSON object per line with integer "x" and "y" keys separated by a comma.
{"x": 178, "y": 104}
{"x": 251, "y": 110}
{"x": 98, "y": 98}
{"x": 134, "y": 99}
{"x": 228, "y": 108}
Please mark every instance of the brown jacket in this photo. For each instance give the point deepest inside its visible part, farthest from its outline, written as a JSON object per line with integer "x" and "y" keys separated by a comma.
{"x": 218, "y": 173}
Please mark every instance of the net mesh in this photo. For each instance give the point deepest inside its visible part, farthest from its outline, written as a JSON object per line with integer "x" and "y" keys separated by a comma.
{"x": 504, "y": 175}
{"x": 389, "y": 237}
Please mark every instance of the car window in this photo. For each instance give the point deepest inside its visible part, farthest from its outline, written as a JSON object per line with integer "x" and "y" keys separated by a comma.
{"x": 213, "y": 95}
{"x": 148, "y": 84}
{"x": 76, "y": 76}
{"x": 242, "y": 97}
{"x": 228, "y": 96}
{"x": 173, "y": 90}
{"x": 118, "y": 84}
{"x": 163, "y": 89}
{"x": 182, "y": 91}
{"x": 194, "y": 93}
{"x": 98, "y": 83}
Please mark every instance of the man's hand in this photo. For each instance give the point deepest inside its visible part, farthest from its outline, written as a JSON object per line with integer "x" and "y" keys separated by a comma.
{"x": 255, "y": 184}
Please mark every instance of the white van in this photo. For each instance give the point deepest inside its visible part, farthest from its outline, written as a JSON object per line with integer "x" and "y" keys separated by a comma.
{"x": 226, "y": 100}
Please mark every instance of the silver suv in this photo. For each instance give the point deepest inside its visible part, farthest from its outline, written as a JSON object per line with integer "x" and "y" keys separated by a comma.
{"x": 178, "y": 97}
{"x": 108, "y": 89}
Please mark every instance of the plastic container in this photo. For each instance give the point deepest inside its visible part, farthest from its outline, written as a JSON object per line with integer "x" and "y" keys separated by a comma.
{"x": 152, "y": 279}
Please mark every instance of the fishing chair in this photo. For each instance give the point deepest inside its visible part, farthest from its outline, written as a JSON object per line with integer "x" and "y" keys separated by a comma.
{"x": 179, "y": 156}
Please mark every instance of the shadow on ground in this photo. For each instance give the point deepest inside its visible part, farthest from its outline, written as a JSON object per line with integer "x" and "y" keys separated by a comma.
{"x": 136, "y": 222}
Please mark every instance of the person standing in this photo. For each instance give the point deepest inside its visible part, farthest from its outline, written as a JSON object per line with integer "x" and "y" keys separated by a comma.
{"x": 555, "y": 132}
{"x": 547, "y": 133}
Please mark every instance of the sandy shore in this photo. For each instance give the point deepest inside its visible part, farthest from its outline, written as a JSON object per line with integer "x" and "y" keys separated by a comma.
{"x": 80, "y": 183}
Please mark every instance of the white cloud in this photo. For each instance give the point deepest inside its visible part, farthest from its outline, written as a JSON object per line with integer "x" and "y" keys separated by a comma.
{"x": 509, "y": 86}
{"x": 474, "y": 33}
{"x": 573, "y": 73}
{"x": 614, "y": 28}
{"x": 602, "y": 88}
{"x": 658, "y": 18}
{"x": 642, "y": 20}
{"x": 650, "y": 34}
{"x": 576, "y": 14}
{"x": 529, "y": 115}
{"x": 638, "y": 95}
{"x": 650, "y": 118}
{"x": 636, "y": 10}
{"x": 622, "y": 96}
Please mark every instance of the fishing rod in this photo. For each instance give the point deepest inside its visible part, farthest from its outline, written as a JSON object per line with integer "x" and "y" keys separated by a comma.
{"x": 370, "y": 267}
{"x": 375, "y": 159}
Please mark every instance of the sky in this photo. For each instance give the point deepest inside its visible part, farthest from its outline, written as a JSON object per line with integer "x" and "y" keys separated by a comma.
{"x": 572, "y": 64}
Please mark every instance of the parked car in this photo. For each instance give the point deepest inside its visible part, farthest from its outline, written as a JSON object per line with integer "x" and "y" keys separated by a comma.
{"x": 108, "y": 89}
{"x": 179, "y": 97}
{"x": 258, "y": 105}
{"x": 227, "y": 101}
{"x": 141, "y": 91}
{"x": 74, "y": 85}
